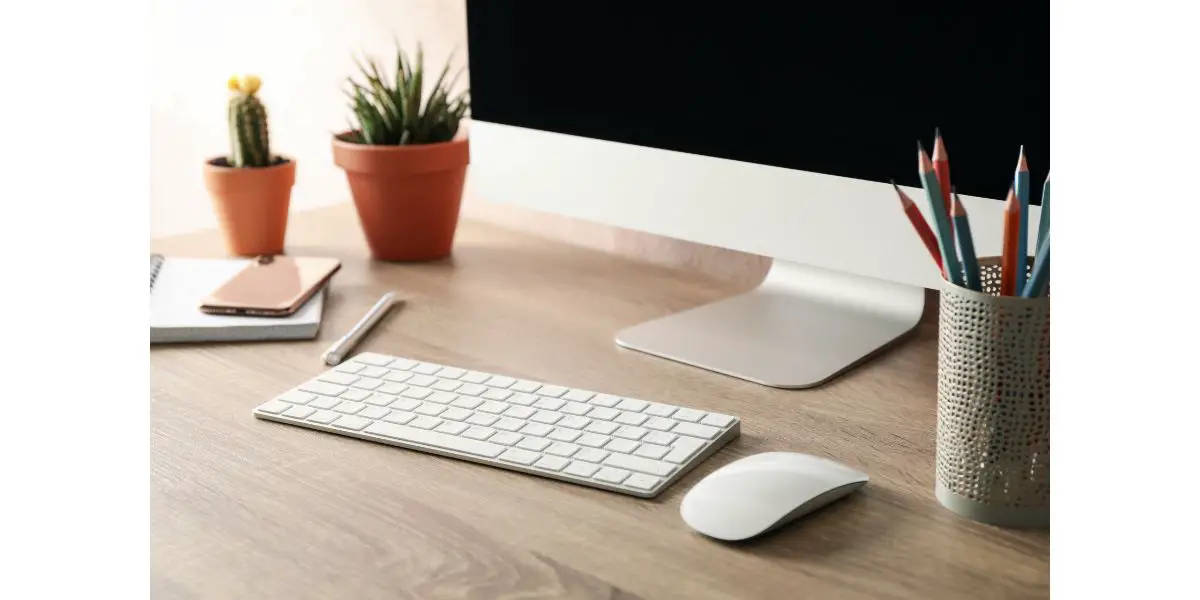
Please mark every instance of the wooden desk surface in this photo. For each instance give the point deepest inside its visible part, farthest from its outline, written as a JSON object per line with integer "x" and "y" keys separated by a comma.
{"x": 243, "y": 508}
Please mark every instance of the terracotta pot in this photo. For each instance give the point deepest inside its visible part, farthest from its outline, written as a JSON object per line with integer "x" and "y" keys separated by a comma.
{"x": 407, "y": 197}
{"x": 251, "y": 204}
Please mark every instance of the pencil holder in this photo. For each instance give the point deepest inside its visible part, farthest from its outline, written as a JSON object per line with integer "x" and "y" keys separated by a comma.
{"x": 993, "y": 412}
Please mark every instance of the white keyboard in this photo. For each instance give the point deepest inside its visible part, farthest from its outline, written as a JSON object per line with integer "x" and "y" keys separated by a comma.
{"x": 613, "y": 443}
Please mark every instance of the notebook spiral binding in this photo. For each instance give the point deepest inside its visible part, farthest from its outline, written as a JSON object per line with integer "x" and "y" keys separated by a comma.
{"x": 156, "y": 263}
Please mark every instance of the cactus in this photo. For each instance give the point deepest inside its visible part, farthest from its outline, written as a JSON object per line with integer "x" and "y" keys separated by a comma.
{"x": 392, "y": 113}
{"x": 249, "y": 140}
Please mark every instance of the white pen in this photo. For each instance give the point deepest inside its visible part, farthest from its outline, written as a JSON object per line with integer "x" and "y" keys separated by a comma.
{"x": 338, "y": 350}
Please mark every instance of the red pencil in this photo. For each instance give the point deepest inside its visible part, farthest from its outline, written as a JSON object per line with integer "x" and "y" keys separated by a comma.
{"x": 923, "y": 230}
{"x": 1008, "y": 258}
{"x": 941, "y": 168}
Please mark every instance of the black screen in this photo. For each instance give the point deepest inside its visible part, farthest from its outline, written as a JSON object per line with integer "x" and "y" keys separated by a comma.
{"x": 846, "y": 89}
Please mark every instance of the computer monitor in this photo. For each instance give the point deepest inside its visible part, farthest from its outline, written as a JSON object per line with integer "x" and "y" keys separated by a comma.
{"x": 766, "y": 127}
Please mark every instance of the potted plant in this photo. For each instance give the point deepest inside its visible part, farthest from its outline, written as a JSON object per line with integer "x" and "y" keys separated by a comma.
{"x": 251, "y": 188}
{"x": 402, "y": 160}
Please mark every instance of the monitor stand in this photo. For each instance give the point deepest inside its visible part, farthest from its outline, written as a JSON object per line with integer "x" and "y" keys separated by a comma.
{"x": 801, "y": 327}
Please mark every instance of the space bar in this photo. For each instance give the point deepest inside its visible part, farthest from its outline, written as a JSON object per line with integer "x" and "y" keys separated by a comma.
{"x": 435, "y": 439}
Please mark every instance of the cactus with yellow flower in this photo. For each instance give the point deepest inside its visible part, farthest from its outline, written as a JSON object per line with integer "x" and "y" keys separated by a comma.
{"x": 250, "y": 144}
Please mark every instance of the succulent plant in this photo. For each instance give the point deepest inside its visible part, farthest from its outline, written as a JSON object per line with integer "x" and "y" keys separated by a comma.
{"x": 392, "y": 114}
{"x": 250, "y": 144}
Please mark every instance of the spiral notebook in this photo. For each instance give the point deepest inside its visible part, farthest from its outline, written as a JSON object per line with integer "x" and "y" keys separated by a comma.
{"x": 177, "y": 287}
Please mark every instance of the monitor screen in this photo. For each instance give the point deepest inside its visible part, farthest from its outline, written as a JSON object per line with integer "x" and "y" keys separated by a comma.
{"x": 843, "y": 89}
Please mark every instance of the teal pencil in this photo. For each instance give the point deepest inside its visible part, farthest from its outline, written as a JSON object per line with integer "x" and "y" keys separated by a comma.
{"x": 1021, "y": 187}
{"x": 966, "y": 246}
{"x": 1041, "y": 271}
{"x": 1044, "y": 224}
{"x": 941, "y": 220}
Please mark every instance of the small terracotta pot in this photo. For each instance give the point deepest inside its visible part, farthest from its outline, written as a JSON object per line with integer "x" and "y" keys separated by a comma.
{"x": 251, "y": 204}
{"x": 407, "y": 197}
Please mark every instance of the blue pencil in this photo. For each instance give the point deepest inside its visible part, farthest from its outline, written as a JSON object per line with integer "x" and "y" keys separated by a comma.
{"x": 962, "y": 231}
{"x": 1041, "y": 271}
{"x": 1021, "y": 187}
{"x": 941, "y": 220}
{"x": 1044, "y": 225}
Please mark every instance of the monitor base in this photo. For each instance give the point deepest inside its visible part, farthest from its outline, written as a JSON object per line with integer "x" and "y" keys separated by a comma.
{"x": 800, "y": 328}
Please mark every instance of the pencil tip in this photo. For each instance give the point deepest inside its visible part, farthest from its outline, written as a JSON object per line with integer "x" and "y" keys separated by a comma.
{"x": 937, "y": 132}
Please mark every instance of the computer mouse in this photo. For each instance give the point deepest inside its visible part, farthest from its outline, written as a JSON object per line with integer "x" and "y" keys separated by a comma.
{"x": 760, "y": 493}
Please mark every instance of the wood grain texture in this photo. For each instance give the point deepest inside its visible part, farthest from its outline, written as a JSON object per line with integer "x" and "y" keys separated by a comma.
{"x": 243, "y": 508}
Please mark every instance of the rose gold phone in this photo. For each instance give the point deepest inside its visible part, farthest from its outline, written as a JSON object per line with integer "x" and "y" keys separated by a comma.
{"x": 272, "y": 286}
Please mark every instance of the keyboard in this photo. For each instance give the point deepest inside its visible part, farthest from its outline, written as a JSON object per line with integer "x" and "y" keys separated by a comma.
{"x": 620, "y": 444}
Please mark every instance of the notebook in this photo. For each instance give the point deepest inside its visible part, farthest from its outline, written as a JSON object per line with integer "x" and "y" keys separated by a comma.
{"x": 178, "y": 285}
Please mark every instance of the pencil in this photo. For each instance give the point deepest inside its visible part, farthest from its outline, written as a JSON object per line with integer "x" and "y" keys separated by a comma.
{"x": 941, "y": 219}
{"x": 1044, "y": 224}
{"x": 966, "y": 246}
{"x": 1041, "y": 271}
{"x": 941, "y": 168}
{"x": 918, "y": 223}
{"x": 1021, "y": 183}
{"x": 1008, "y": 257}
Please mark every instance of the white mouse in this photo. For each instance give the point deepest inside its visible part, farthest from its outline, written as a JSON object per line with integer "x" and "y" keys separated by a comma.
{"x": 756, "y": 494}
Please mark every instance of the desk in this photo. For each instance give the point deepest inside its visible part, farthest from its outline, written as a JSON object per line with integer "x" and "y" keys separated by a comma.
{"x": 243, "y": 508}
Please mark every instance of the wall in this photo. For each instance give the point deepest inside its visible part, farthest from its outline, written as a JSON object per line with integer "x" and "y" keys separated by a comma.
{"x": 303, "y": 50}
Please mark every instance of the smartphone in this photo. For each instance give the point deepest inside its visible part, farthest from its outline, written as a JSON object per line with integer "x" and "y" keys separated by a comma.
{"x": 271, "y": 286}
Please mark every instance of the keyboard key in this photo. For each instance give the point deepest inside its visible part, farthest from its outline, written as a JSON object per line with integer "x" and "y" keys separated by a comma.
{"x": 580, "y": 468}
{"x": 659, "y": 410}
{"x": 549, "y": 403}
{"x": 475, "y": 377}
{"x": 354, "y": 394}
{"x": 551, "y": 391}
{"x": 519, "y": 412}
{"x": 641, "y": 465}
{"x": 683, "y": 449}
{"x": 441, "y": 397}
{"x": 500, "y": 381}
{"x": 494, "y": 406}
{"x": 496, "y": 394}
{"x": 546, "y": 416}
{"x": 629, "y": 418}
{"x": 537, "y": 429}
{"x": 624, "y": 446}
{"x": 455, "y": 413}
{"x": 575, "y": 408}
{"x": 452, "y": 427}
{"x": 562, "y": 449}
{"x": 399, "y": 417}
{"x": 700, "y": 431}
{"x": 576, "y": 395}
{"x": 716, "y": 420}
{"x": 430, "y": 409}
{"x": 642, "y": 482}
{"x": 373, "y": 412}
{"x": 509, "y": 424}
{"x": 295, "y": 397}
{"x": 535, "y": 444}
{"x": 593, "y": 440}
{"x": 426, "y": 368}
{"x": 660, "y": 424}
{"x": 605, "y": 400}
{"x": 435, "y": 439}
{"x": 349, "y": 367}
{"x": 633, "y": 405}
{"x": 467, "y": 402}
{"x": 299, "y": 412}
{"x": 398, "y": 376}
{"x": 522, "y": 399}
{"x": 590, "y": 455}
{"x": 601, "y": 427}
{"x": 507, "y": 438}
{"x": 687, "y": 414}
{"x": 564, "y": 435}
{"x": 368, "y": 383}
{"x": 653, "y": 451}
{"x": 521, "y": 457}
{"x": 320, "y": 387}
{"x": 630, "y": 433}
{"x": 324, "y": 417}
{"x": 524, "y": 385}
{"x": 380, "y": 399}
{"x": 352, "y": 422}
{"x": 551, "y": 463}
{"x": 416, "y": 392}
{"x": 338, "y": 378}
{"x": 405, "y": 404}
{"x": 371, "y": 358}
{"x": 349, "y": 407}
{"x": 660, "y": 438}
{"x": 471, "y": 389}
{"x": 393, "y": 389}
{"x": 325, "y": 402}
{"x": 373, "y": 372}
{"x": 479, "y": 433}
{"x": 574, "y": 422}
{"x": 611, "y": 475}
{"x": 446, "y": 385}
{"x": 604, "y": 414}
{"x": 483, "y": 419}
{"x": 451, "y": 372}
{"x": 422, "y": 380}
{"x": 402, "y": 363}
{"x": 425, "y": 422}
